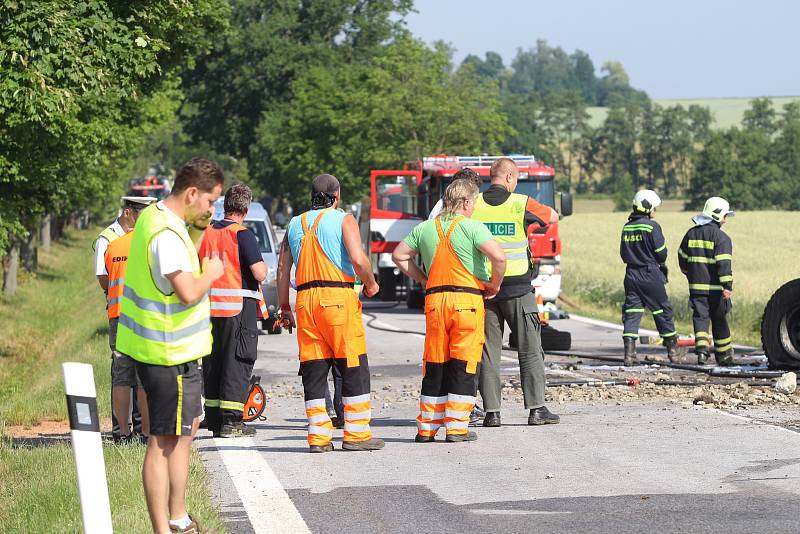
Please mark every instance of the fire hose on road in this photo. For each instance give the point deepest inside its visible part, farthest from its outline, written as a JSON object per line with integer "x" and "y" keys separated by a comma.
{"x": 712, "y": 372}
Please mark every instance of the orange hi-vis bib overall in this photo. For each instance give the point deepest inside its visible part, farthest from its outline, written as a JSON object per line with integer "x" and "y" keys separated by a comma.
{"x": 226, "y": 292}
{"x": 454, "y": 315}
{"x": 116, "y": 262}
{"x": 330, "y": 332}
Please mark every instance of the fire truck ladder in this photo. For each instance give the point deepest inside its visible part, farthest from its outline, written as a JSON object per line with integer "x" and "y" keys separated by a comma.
{"x": 444, "y": 161}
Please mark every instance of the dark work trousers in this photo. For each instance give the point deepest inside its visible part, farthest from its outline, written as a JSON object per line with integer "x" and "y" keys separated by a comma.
{"x": 355, "y": 380}
{"x": 644, "y": 290}
{"x": 226, "y": 372}
{"x": 336, "y": 404}
{"x": 711, "y": 309}
{"x": 136, "y": 417}
{"x": 522, "y": 316}
{"x": 448, "y": 377}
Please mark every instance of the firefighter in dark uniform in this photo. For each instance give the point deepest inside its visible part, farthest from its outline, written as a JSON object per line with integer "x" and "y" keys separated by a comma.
{"x": 644, "y": 251}
{"x": 705, "y": 257}
{"x": 234, "y": 298}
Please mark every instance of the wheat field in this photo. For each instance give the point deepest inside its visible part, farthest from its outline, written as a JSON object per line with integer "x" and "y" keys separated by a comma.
{"x": 765, "y": 249}
{"x": 727, "y": 112}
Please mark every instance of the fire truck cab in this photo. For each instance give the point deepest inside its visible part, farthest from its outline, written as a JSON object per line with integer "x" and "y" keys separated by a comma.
{"x": 401, "y": 199}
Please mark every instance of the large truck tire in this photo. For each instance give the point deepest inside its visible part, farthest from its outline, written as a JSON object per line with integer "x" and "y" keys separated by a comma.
{"x": 388, "y": 283}
{"x": 553, "y": 339}
{"x": 780, "y": 327}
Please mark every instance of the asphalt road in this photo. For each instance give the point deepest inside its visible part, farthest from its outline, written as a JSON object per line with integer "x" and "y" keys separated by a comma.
{"x": 608, "y": 467}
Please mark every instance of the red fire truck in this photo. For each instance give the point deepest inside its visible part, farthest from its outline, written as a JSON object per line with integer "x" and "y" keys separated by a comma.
{"x": 401, "y": 199}
{"x": 150, "y": 186}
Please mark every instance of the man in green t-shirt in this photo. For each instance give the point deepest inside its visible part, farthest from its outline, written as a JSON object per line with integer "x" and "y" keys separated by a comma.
{"x": 454, "y": 249}
{"x": 467, "y": 239}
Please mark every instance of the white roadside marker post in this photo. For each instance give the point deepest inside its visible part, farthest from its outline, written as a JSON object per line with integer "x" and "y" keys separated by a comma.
{"x": 87, "y": 447}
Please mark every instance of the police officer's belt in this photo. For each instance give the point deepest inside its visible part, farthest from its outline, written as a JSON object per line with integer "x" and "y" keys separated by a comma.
{"x": 453, "y": 289}
{"x": 324, "y": 283}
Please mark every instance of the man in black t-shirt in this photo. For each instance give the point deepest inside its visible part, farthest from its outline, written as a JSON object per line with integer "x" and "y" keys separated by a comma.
{"x": 234, "y": 301}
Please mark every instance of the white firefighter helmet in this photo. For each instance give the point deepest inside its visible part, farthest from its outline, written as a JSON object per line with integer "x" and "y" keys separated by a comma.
{"x": 646, "y": 200}
{"x": 716, "y": 208}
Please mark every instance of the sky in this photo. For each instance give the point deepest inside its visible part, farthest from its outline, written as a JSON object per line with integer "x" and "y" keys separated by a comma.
{"x": 669, "y": 48}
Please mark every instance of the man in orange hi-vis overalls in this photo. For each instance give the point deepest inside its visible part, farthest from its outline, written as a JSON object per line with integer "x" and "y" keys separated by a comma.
{"x": 452, "y": 247}
{"x": 325, "y": 244}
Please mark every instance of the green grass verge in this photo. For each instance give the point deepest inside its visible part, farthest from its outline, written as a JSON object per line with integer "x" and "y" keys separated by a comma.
{"x": 39, "y": 493}
{"x": 58, "y": 315}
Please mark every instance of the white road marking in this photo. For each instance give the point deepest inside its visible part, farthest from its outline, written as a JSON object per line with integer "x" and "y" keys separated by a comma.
{"x": 606, "y": 324}
{"x": 268, "y": 507}
{"x": 642, "y": 332}
{"x": 755, "y": 421}
{"x": 492, "y": 511}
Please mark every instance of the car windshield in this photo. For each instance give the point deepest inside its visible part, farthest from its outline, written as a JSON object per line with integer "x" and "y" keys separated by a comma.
{"x": 260, "y": 229}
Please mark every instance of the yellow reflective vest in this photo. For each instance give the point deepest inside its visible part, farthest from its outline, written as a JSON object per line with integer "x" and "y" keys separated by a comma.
{"x": 155, "y": 328}
{"x": 108, "y": 233}
{"x": 506, "y": 222}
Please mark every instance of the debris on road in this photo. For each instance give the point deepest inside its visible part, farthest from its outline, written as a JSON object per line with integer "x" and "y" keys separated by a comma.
{"x": 787, "y": 383}
{"x": 737, "y": 395}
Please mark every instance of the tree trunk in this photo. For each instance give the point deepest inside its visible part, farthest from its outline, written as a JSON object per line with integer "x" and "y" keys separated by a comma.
{"x": 45, "y": 233}
{"x": 28, "y": 253}
{"x": 11, "y": 268}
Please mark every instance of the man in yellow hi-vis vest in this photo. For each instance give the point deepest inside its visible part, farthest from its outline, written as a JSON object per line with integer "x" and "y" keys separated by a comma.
{"x": 164, "y": 325}
{"x": 508, "y": 215}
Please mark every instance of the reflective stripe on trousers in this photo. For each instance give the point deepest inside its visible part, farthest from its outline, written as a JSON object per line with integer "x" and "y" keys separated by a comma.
{"x": 357, "y": 415}
{"x": 320, "y": 427}
{"x": 431, "y": 414}
{"x": 457, "y": 412}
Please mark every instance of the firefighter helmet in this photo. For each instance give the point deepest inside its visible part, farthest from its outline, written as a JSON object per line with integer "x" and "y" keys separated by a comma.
{"x": 717, "y": 208}
{"x": 645, "y": 201}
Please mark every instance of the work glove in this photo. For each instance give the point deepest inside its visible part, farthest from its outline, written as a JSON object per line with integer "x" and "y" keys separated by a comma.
{"x": 663, "y": 268}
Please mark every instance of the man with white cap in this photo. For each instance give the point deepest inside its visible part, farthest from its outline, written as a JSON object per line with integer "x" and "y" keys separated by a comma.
{"x": 124, "y": 223}
{"x": 705, "y": 257}
{"x": 643, "y": 249}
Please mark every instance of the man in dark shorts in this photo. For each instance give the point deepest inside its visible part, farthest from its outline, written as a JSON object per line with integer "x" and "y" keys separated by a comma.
{"x": 164, "y": 325}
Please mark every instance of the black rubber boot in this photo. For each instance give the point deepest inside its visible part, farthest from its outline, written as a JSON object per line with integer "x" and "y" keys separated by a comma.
{"x": 673, "y": 352}
{"x": 542, "y": 416}
{"x": 725, "y": 359}
{"x": 630, "y": 351}
{"x": 235, "y": 429}
{"x": 702, "y": 357}
{"x": 492, "y": 419}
